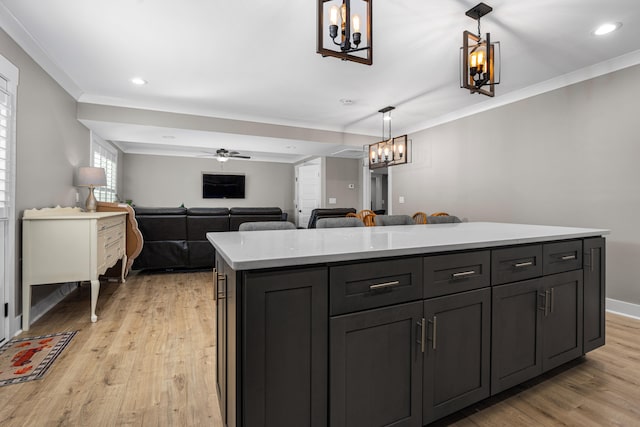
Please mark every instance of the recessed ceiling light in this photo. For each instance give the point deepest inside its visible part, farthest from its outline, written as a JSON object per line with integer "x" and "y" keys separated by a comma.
{"x": 607, "y": 28}
{"x": 138, "y": 81}
{"x": 168, "y": 137}
{"x": 346, "y": 101}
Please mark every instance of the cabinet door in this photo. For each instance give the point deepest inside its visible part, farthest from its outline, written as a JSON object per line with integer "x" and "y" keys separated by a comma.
{"x": 221, "y": 338}
{"x": 285, "y": 339}
{"x": 594, "y": 293}
{"x": 516, "y": 333}
{"x": 457, "y": 352}
{"x": 562, "y": 331}
{"x": 376, "y": 367}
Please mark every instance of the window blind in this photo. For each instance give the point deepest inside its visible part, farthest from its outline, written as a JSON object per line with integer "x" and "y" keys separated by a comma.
{"x": 106, "y": 157}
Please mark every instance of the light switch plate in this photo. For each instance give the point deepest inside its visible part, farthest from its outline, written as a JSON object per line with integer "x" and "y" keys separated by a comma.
{"x": 401, "y": 199}
{"x": 332, "y": 200}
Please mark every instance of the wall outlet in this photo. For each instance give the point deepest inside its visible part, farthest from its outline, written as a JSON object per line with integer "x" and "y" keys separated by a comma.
{"x": 351, "y": 186}
{"x": 77, "y": 197}
{"x": 332, "y": 200}
{"x": 401, "y": 199}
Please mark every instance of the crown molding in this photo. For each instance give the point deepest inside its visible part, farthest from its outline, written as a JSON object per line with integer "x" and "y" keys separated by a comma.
{"x": 615, "y": 64}
{"x": 32, "y": 47}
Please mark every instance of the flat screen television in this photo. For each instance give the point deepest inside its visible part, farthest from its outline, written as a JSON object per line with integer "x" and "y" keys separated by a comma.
{"x": 217, "y": 186}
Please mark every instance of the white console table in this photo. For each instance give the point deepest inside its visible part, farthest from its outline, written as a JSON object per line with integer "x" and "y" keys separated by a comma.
{"x": 67, "y": 245}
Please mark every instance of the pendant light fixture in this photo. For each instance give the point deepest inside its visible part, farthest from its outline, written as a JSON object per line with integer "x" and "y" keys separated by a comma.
{"x": 390, "y": 151}
{"x": 344, "y": 30}
{"x": 479, "y": 58}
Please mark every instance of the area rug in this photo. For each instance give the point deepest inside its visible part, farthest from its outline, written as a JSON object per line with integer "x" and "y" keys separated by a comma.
{"x": 26, "y": 359}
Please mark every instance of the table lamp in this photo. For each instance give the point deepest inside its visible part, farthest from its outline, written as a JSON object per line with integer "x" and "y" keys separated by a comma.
{"x": 91, "y": 177}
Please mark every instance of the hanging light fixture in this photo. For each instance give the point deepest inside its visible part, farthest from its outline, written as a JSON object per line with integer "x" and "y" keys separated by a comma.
{"x": 390, "y": 151}
{"x": 349, "y": 30}
{"x": 479, "y": 58}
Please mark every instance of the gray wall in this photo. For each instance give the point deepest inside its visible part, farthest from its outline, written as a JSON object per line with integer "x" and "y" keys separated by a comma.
{"x": 50, "y": 145}
{"x": 172, "y": 181}
{"x": 567, "y": 157}
{"x": 339, "y": 173}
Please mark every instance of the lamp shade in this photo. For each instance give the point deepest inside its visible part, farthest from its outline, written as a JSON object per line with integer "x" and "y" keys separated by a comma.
{"x": 88, "y": 176}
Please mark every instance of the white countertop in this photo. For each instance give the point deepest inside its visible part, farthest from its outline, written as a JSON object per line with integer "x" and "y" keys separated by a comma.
{"x": 249, "y": 250}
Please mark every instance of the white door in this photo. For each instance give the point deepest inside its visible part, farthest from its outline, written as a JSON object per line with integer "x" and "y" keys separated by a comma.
{"x": 308, "y": 192}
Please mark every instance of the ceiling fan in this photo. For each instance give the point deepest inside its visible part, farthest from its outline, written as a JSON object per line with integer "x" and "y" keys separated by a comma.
{"x": 222, "y": 155}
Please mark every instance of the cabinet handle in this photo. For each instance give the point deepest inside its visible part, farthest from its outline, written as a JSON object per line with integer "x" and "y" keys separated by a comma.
{"x": 223, "y": 294}
{"x": 423, "y": 333}
{"x": 434, "y": 331}
{"x": 384, "y": 285}
{"x": 568, "y": 257}
{"x": 463, "y": 274}
{"x": 544, "y": 306}
{"x": 215, "y": 284}
{"x": 552, "y": 299}
{"x": 523, "y": 264}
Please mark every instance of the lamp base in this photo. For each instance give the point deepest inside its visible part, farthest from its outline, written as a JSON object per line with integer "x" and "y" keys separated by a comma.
{"x": 91, "y": 204}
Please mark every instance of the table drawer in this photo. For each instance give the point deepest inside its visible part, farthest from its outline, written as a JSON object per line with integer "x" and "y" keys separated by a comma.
{"x": 374, "y": 284}
{"x": 110, "y": 222}
{"x": 561, "y": 256}
{"x": 452, "y": 273}
{"x": 516, "y": 263}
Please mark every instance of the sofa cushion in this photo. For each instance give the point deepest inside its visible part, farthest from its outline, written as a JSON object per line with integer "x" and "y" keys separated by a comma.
{"x": 255, "y": 211}
{"x": 199, "y": 226}
{"x": 163, "y": 254}
{"x": 160, "y": 211}
{"x": 208, "y": 212}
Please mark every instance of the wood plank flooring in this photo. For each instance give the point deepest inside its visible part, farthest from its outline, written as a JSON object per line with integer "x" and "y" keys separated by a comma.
{"x": 150, "y": 359}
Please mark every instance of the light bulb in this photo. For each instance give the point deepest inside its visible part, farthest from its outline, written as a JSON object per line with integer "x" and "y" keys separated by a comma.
{"x": 333, "y": 15}
{"x": 400, "y": 149}
{"x": 344, "y": 13}
{"x": 480, "y": 58}
{"x": 356, "y": 23}
{"x": 473, "y": 59}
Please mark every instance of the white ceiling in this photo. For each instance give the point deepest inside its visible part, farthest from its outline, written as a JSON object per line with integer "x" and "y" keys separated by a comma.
{"x": 256, "y": 61}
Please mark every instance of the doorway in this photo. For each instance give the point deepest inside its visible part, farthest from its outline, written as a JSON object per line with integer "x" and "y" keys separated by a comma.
{"x": 380, "y": 191}
{"x": 308, "y": 191}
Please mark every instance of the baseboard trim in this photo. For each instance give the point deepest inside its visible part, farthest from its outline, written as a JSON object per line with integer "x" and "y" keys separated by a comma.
{"x": 623, "y": 308}
{"x": 44, "y": 305}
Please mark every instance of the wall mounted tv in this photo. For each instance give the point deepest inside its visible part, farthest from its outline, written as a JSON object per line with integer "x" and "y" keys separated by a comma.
{"x": 217, "y": 186}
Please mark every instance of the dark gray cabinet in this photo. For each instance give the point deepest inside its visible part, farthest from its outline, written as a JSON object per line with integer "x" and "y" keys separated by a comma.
{"x": 594, "y": 293}
{"x": 401, "y": 341}
{"x": 562, "y": 321}
{"x": 285, "y": 347}
{"x": 227, "y": 371}
{"x": 219, "y": 284}
{"x": 376, "y": 367}
{"x": 456, "y": 353}
{"x": 536, "y": 326}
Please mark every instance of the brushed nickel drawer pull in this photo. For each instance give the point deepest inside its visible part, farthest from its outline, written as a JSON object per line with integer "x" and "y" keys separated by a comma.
{"x": 463, "y": 273}
{"x": 384, "y": 285}
{"x": 523, "y": 264}
{"x": 568, "y": 257}
{"x": 435, "y": 328}
{"x": 423, "y": 333}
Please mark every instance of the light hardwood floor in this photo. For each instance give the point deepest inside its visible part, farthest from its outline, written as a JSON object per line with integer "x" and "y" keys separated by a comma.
{"x": 149, "y": 361}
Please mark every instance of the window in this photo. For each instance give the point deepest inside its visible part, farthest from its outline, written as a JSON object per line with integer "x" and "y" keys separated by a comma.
{"x": 103, "y": 155}
{"x": 5, "y": 110}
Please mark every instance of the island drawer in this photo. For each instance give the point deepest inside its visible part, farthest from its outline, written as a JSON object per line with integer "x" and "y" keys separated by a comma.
{"x": 374, "y": 284}
{"x": 452, "y": 273}
{"x": 561, "y": 256}
{"x": 516, "y": 263}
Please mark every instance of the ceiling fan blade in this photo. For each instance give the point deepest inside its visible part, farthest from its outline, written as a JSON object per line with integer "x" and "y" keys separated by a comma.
{"x": 240, "y": 157}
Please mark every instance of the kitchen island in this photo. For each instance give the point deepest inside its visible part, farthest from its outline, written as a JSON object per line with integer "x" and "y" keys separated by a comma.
{"x": 397, "y": 325}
